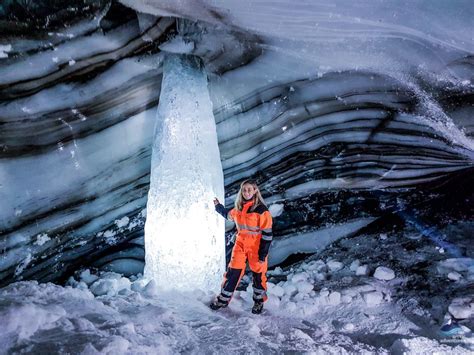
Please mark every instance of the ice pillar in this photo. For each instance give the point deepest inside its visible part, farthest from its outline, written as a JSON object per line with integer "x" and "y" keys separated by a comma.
{"x": 184, "y": 236}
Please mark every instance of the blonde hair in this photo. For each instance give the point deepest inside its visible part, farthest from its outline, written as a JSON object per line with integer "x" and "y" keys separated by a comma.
{"x": 257, "y": 197}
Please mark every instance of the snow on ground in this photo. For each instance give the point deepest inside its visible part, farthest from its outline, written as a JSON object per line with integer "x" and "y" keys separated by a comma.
{"x": 111, "y": 314}
{"x": 359, "y": 295}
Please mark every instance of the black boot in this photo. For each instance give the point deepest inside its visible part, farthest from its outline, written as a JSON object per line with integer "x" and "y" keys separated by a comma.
{"x": 257, "y": 307}
{"x": 217, "y": 304}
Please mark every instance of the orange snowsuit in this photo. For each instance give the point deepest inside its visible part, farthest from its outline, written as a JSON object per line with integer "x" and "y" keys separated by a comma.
{"x": 254, "y": 236}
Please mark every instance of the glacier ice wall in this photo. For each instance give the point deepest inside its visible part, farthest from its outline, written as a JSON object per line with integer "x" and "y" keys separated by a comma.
{"x": 343, "y": 111}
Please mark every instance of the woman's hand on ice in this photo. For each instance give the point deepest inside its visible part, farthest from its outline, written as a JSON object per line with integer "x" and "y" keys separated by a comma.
{"x": 216, "y": 201}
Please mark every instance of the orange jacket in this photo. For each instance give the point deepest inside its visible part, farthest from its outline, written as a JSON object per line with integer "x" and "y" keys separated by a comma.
{"x": 256, "y": 222}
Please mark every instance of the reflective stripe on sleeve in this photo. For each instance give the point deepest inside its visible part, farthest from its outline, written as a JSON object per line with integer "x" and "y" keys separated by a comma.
{"x": 250, "y": 228}
{"x": 250, "y": 232}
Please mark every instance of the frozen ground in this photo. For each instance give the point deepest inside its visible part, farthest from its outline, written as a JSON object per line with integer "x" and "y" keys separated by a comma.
{"x": 359, "y": 295}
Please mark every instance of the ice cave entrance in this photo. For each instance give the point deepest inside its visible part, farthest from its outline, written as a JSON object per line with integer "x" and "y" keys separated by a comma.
{"x": 184, "y": 237}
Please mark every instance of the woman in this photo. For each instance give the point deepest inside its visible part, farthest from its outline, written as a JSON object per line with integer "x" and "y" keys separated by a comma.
{"x": 254, "y": 236}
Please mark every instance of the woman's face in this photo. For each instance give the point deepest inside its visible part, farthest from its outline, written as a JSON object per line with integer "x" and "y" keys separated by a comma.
{"x": 248, "y": 191}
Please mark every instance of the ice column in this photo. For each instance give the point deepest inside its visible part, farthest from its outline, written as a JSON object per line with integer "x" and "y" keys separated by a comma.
{"x": 184, "y": 236}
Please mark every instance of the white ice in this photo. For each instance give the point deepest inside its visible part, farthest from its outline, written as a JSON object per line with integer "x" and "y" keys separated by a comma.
{"x": 4, "y": 49}
{"x": 384, "y": 273}
{"x": 184, "y": 236}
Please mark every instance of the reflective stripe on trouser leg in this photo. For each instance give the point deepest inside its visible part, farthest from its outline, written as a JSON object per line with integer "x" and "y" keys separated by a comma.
{"x": 234, "y": 272}
{"x": 232, "y": 278}
{"x": 259, "y": 273}
{"x": 259, "y": 292}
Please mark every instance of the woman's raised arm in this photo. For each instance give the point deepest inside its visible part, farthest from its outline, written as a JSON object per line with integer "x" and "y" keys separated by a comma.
{"x": 224, "y": 212}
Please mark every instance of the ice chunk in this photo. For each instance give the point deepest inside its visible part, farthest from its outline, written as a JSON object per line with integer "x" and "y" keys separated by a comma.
{"x": 109, "y": 236}
{"x": 456, "y": 264}
{"x": 87, "y": 277}
{"x": 276, "y": 290}
{"x": 462, "y": 308}
{"x": 139, "y": 285}
{"x": 151, "y": 289}
{"x": 71, "y": 281}
{"x": 301, "y": 276}
{"x": 320, "y": 276}
{"x": 347, "y": 279}
{"x": 276, "y": 271}
{"x": 300, "y": 297}
{"x": 4, "y": 49}
{"x": 455, "y": 276}
{"x": 290, "y": 288}
{"x": 122, "y": 222}
{"x": 384, "y": 273}
{"x": 373, "y": 298}
{"x": 324, "y": 292}
{"x": 110, "y": 286}
{"x": 362, "y": 270}
{"x": 81, "y": 285}
{"x": 334, "y": 265}
{"x": 101, "y": 287}
{"x": 318, "y": 265}
{"x": 276, "y": 209}
{"x": 304, "y": 287}
{"x": 272, "y": 303}
{"x": 334, "y": 298}
{"x": 355, "y": 265}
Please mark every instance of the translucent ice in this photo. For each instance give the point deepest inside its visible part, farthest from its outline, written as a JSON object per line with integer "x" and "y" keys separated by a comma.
{"x": 373, "y": 298}
{"x": 184, "y": 237}
{"x": 384, "y": 273}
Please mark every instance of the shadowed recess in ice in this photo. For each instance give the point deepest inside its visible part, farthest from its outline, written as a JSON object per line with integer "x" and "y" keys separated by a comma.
{"x": 346, "y": 114}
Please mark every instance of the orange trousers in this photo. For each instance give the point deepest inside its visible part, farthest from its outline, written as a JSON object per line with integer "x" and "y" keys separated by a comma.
{"x": 245, "y": 249}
